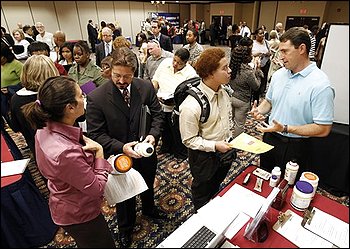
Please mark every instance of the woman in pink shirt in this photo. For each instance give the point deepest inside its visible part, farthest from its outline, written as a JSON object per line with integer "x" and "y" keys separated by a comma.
{"x": 73, "y": 164}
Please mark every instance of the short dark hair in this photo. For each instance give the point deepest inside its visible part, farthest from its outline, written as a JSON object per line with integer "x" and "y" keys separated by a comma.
{"x": 25, "y": 28}
{"x": 123, "y": 56}
{"x": 68, "y": 45}
{"x": 53, "y": 95}
{"x": 83, "y": 46}
{"x": 246, "y": 41}
{"x": 183, "y": 54}
{"x": 297, "y": 36}
{"x": 195, "y": 32}
{"x": 234, "y": 28}
{"x": 38, "y": 46}
{"x": 209, "y": 61}
{"x": 6, "y": 52}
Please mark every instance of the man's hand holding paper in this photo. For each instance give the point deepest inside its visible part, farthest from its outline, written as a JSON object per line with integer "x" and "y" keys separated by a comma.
{"x": 251, "y": 144}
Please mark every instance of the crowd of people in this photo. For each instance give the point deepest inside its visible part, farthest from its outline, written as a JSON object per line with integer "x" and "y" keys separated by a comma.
{"x": 42, "y": 97}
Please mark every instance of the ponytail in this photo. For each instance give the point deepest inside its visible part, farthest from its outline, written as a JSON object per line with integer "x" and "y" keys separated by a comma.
{"x": 35, "y": 115}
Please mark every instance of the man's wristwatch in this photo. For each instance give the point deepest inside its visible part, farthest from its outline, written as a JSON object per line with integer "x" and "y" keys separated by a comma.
{"x": 285, "y": 129}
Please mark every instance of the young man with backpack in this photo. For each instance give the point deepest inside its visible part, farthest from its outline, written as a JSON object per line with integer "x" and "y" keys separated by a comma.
{"x": 210, "y": 155}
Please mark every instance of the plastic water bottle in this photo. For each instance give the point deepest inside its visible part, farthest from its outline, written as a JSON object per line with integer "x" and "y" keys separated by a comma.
{"x": 275, "y": 176}
{"x": 291, "y": 172}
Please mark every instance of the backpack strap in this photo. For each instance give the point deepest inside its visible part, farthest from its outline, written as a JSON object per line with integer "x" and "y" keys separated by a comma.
{"x": 203, "y": 102}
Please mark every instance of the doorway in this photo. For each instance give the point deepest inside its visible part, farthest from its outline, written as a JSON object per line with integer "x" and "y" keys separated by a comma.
{"x": 221, "y": 23}
{"x": 300, "y": 21}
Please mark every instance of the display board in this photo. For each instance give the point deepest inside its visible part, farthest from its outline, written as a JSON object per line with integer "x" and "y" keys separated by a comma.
{"x": 173, "y": 18}
{"x": 335, "y": 63}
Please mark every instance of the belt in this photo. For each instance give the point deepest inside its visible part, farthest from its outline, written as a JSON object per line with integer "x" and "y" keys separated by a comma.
{"x": 285, "y": 139}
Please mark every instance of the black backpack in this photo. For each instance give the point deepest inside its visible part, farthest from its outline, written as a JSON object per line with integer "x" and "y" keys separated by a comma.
{"x": 189, "y": 87}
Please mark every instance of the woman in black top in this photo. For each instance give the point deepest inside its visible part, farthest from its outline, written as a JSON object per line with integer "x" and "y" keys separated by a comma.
{"x": 36, "y": 70}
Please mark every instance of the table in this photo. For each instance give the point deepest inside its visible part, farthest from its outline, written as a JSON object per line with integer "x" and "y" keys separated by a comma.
{"x": 275, "y": 240}
{"x": 7, "y": 157}
{"x": 25, "y": 217}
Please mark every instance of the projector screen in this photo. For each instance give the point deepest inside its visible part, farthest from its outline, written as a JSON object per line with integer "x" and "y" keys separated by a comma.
{"x": 335, "y": 63}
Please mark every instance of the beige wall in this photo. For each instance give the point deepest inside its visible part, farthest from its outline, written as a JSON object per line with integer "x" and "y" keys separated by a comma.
{"x": 337, "y": 11}
{"x": 292, "y": 8}
{"x": 72, "y": 16}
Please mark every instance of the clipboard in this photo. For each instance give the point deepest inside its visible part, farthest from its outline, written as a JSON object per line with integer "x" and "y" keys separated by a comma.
{"x": 145, "y": 122}
{"x": 289, "y": 226}
{"x": 326, "y": 226}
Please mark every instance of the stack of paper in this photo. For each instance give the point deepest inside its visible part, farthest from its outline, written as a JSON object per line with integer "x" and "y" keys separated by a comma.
{"x": 120, "y": 187}
{"x": 14, "y": 167}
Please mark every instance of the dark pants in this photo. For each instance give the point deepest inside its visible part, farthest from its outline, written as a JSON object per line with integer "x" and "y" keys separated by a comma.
{"x": 207, "y": 176}
{"x": 171, "y": 138}
{"x": 6, "y": 101}
{"x": 92, "y": 234}
{"x": 126, "y": 210}
{"x": 256, "y": 94}
{"x": 286, "y": 149}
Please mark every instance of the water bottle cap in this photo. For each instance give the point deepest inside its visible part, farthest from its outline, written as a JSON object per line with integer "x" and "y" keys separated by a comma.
{"x": 276, "y": 168}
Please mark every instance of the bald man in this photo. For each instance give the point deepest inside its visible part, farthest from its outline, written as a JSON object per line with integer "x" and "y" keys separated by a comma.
{"x": 59, "y": 37}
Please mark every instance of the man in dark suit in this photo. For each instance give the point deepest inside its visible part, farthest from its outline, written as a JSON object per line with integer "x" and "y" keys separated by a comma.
{"x": 115, "y": 125}
{"x": 164, "y": 40}
{"x": 104, "y": 48}
{"x": 92, "y": 34}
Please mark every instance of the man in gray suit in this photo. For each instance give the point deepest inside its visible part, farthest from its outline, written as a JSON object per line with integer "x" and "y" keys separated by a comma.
{"x": 104, "y": 48}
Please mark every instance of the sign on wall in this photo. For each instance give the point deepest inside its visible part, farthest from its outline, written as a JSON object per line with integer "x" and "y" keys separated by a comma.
{"x": 173, "y": 18}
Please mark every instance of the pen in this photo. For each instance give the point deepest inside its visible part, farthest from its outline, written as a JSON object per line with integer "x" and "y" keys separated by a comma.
{"x": 246, "y": 179}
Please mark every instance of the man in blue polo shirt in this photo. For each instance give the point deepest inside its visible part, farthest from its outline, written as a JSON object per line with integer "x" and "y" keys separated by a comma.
{"x": 301, "y": 101}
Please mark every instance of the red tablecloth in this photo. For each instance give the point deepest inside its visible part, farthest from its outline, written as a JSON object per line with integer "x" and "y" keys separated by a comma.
{"x": 6, "y": 156}
{"x": 275, "y": 240}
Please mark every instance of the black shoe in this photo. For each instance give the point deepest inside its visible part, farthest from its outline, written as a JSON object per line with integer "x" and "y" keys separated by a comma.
{"x": 156, "y": 215}
{"x": 125, "y": 240}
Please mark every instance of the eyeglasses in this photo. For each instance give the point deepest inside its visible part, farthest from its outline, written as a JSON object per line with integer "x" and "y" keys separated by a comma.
{"x": 154, "y": 27}
{"x": 105, "y": 68}
{"x": 125, "y": 77}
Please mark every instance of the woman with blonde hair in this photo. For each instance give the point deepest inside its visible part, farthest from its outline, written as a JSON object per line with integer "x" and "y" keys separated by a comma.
{"x": 20, "y": 40}
{"x": 36, "y": 70}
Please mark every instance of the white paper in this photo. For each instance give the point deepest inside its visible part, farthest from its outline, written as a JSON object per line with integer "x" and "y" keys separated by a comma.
{"x": 120, "y": 187}
{"x": 329, "y": 228}
{"x": 236, "y": 225}
{"x": 301, "y": 237}
{"x": 14, "y": 167}
{"x": 228, "y": 244}
{"x": 243, "y": 199}
{"x": 217, "y": 215}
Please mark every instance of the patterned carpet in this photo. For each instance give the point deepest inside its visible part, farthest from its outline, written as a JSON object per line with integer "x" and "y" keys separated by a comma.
{"x": 172, "y": 195}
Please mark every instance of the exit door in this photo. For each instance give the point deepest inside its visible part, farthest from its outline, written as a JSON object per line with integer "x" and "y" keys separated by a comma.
{"x": 300, "y": 21}
{"x": 223, "y": 20}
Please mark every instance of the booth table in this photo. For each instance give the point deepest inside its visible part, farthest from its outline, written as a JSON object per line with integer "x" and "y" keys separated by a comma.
{"x": 25, "y": 216}
{"x": 275, "y": 240}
